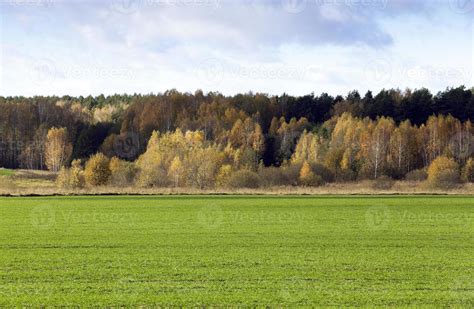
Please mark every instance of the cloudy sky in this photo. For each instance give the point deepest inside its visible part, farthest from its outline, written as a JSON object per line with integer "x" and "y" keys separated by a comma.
{"x": 87, "y": 47}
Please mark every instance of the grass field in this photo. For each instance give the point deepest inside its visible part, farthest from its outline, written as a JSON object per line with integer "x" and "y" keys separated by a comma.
{"x": 6, "y": 172}
{"x": 314, "y": 251}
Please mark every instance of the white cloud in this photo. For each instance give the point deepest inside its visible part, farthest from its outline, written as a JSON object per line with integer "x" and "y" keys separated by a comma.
{"x": 151, "y": 46}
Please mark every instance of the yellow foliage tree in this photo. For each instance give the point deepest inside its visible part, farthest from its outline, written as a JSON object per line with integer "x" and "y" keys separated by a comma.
{"x": 443, "y": 172}
{"x": 58, "y": 149}
{"x": 201, "y": 166}
{"x": 176, "y": 171}
{"x": 258, "y": 140}
{"x": 72, "y": 178}
{"x": 223, "y": 175}
{"x": 307, "y": 176}
{"x": 122, "y": 172}
{"x": 97, "y": 171}
{"x": 468, "y": 172}
{"x": 307, "y": 148}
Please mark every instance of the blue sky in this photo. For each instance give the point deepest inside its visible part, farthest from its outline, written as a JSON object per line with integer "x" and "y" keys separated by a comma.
{"x": 59, "y": 47}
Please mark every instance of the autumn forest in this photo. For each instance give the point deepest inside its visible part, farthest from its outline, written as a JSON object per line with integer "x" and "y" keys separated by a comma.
{"x": 200, "y": 140}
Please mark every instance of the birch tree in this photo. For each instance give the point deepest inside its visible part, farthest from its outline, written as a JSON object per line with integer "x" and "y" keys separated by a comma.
{"x": 58, "y": 149}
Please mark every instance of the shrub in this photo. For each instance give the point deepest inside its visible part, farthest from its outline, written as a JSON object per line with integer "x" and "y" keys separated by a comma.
{"x": 244, "y": 179}
{"x": 122, "y": 172}
{"x": 395, "y": 173}
{"x": 153, "y": 176}
{"x": 308, "y": 178}
{"x": 417, "y": 175}
{"x": 63, "y": 178}
{"x": 383, "y": 183}
{"x": 326, "y": 174}
{"x": 468, "y": 171}
{"x": 305, "y": 172}
{"x": 345, "y": 175}
{"x": 249, "y": 159}
{"x": 292, "y": 173}
{"x": 312, "y": 181}
{"x": 97, "y": 171}
{"x": 273, "y": 176}
{"x": 223, "y": 175}
{"x": 72, "y": 178}
{"x": 77, "y": 175}
{"x": 443, "y": 172}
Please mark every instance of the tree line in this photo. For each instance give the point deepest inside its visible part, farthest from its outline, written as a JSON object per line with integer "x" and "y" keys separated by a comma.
{"x": 389, "y": 134}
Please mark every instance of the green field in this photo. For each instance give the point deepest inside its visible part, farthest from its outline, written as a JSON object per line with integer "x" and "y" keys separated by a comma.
{"x": 313, "y": 251}
{"x": 5, "y": 172}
